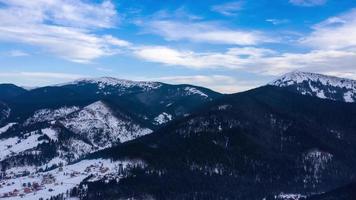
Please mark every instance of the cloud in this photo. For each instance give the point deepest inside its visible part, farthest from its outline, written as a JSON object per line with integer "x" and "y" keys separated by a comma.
{"x": 208, "y": 32}
{"x": 308, "y": 3}
{"x": 228, "y": 9}
{"x": 62, "y": 27}
{"x": 220, "y": 83}
{"x": 338, "y": 32}
{"x": 257, "y": 60}
{"x": 17, "y": 53}
{"x": 234, "y": 58}
{"x": 47, "y": 75}
{"x": 277, "y": 21}
{"x": 37, "y": 78}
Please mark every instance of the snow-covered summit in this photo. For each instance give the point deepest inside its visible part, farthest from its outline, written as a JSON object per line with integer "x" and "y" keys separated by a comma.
{"x": 103, "y": 82}
{"x": 322, "y": 86}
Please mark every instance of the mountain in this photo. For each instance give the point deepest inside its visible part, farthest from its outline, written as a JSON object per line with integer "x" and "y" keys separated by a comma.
{"x": 117, "y": 139}
{"x": 9, "y": 91}
{"x": 63, "y": 123}
{"x": 267, "y": 143}
{"x": 322, "y": 86}
{"x": 147, "y": 101}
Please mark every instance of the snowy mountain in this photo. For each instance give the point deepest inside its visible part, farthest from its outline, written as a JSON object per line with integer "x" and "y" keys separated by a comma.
{"x": 64, "y": 123}
{"x": 97, "y": 123}
{"x": 266, "y": 143}
{"x": 144, "y": 100}
{"x": 66, "y": 134}
{"x": 322, "y": 86}
{"x": 110, "y": 138}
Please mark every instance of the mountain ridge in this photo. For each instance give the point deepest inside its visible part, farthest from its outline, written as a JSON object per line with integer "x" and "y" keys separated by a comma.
{"x": 321, "y": 86}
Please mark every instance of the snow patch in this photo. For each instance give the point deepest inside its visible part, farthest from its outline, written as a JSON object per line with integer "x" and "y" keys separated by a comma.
{"x": 195, "y": 91}
{"x": 51, "y": 133}
{"x": 163, "y": 118}
{"x": 15, "y": 145}
{"x": 6, "y": 127}
{"x": 45, "y": 115}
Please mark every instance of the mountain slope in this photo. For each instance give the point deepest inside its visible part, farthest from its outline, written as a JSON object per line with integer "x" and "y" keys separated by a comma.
{"x": 322, "y": 86}
{"x": 9, "y": 91}
{"x": 147, "y": 101}
{"x": 68, "y": 121}
{"x": 251, "y": 145}
{"x": 65, "y": 135}
{"x": 347, "y": 192}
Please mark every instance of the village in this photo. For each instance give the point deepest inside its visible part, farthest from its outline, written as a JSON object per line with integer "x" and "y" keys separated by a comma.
{"x": 43, "y": 185}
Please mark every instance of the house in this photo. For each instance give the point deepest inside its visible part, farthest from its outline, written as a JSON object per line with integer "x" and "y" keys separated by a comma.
{"x": 27, "y": 190}
{"x": 48, "y": 179}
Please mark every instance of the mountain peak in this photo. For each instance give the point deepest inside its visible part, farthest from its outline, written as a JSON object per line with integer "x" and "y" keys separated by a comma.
{"x": 300, "y": 76}
{"x": 322, "y": 86}
{"x": 111, "y": 81}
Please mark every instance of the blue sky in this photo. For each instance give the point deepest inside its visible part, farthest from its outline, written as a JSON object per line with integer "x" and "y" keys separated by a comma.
{"x": 228, "y": 46}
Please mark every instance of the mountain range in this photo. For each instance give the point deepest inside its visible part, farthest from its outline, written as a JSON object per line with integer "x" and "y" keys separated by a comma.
{"x": 293, "y": 138}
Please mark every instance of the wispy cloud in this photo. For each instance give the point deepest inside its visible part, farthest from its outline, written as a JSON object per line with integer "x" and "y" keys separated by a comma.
{"x": 277, "y": 21}
{"x": 251, "y": 59}
{"x": 308, "y": 3}
{"x": 208, "y": 32}
{"x": 62, "y": 27}
{"x": 47, "y": 75}
{"x": 228, "y": 9}
{"x": 338, "y": 32}
{"x": 234, "y": 58}
{"x": 221, "y": 83}
{"x": 17, "y": 53}
{"x": 38, "y": 78}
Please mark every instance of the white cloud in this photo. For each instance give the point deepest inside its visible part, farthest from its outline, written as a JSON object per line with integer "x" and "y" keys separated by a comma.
{"x": 17, "y": 53}
{"x": 62, "y": 27}
{"x": 337, "y": 32}
{"x": 47, "y": 75}
{"x": 308, "y": 3}
{"x": 63, "y": 12}
{"x": 256, "y": 60}
{"x": 234, "y": 58}
{"x": 220, "y": 83}
{"x": 37, "y": 78}
{"x": 229, "y": 8}
{"x": 277, "y": 21}
{"x": 173, "y": 30}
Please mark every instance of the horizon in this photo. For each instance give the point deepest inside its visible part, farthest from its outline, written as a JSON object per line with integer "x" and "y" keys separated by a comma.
{"x": 226, "y": 46}
{"x": 153, "y": 81}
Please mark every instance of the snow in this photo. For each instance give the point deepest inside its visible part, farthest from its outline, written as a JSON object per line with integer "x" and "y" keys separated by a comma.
{"x": 44, "y": 115}
{"x": 65, "y": 179}
{"x": 330, "y": 85}
{"x": 96, "y": 119}
{"x": 55, "y": 161}
{"x": 224, "y": 107}
{"x": 6, "y": 127}
{"x": 283, "y": 196}
{"x": 78, "y": 148}
{"x": 195, "y": 91}
{"x": 51, "y": 133}
{"x": 163, "y": 118}
{"x": 104, "y": 82}
{"x": 15, "y": 145}
{"x": 348, "y": 97}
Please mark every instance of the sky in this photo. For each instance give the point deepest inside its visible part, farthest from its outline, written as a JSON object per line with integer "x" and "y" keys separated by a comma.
{"x": 228, "y": 46}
